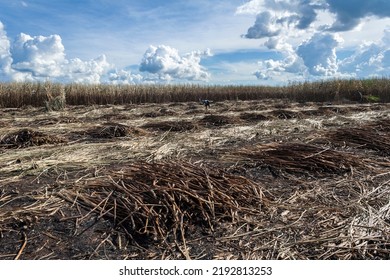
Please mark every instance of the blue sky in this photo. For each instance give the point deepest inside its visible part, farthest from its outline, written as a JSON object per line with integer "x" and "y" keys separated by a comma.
{"x": 182, "y": 41}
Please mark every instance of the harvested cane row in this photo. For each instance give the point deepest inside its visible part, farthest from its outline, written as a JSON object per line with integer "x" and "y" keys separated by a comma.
{"x": 27, "y": 137}
{"x": 339, "y": 209}
{"x": 167, "y": 199}
{"x": 24, "y": 138}
{"x": 175, "y": 126}
{"x": 298, "y": 158}
{"x": 113, "y": 130}
{"x": 195, "y": 211}
{"x": 374, "y": 136}
{"x": 346, "y": 216}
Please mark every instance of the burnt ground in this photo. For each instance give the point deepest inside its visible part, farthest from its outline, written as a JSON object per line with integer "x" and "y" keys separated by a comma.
{"x": 243, "y": 180}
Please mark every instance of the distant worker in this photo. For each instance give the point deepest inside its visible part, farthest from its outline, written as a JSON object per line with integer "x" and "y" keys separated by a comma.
{"x": 205, "y": 102}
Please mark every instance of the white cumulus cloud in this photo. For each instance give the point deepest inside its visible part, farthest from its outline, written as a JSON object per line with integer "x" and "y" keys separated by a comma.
{"x": 38, "y": 56}
{"x": 276, "y": 17}
{"x": 319, "y": 54}
{"x": 124, "y": 77}
{"x": 306, "y": 33}
{"x": 291, "y": 67}
{"x": 5, "y": 54}
{"x": 90, "y": 71}
{"x": 41, "y": 58}
{"x": 167, "y": 64}
{"x": 315, "y": 57}
{"x": 370, "y": 59}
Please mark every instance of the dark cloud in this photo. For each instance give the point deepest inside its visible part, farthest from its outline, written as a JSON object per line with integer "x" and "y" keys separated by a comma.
{"x": 300, "y": 14}
{"x": 307, "y": 14}
{"x": 349, "y": 13}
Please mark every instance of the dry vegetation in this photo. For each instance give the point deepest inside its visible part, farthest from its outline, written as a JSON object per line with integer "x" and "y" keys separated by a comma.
{"x": 55, "y": 96}
{"x": 256, "y": 179}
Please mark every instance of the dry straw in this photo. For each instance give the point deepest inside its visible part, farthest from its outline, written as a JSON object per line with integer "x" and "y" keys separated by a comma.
{"x": 174, "y": 126}
{"x": 374, "y": 136}
{"x": 297, "y": 158}
{"x": 54, "y": 96}
{"x": 113, "y": 130}
{"x": 27, "y": 137}
{"x": 165, "y": 198}
{"x": 178, "y": 210}
{"x": 327, "y": 199}
{"x": 218, "y": 120}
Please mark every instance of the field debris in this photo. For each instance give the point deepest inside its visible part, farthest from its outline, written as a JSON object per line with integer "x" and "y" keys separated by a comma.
{"x": 253, "y": 117}
{"x": 113, "y": 130}
{"x": 26, "y": 137}
{"x": 183, "y": 210}
{"x": 286, "y": 114}
{"x": 175, "y": 126}
{"x": 298, "y": 158}
{"x": 374, "y": 136}
{"x": 158, "y": 113}
{"x": 382, "y": 125}
{"x": 217, "y": 120}
{"x": 165, "y": 198}
{"x": 236, "y": 182}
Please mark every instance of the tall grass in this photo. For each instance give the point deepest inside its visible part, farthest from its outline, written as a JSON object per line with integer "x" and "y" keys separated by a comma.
{"x": 55, "y": 96}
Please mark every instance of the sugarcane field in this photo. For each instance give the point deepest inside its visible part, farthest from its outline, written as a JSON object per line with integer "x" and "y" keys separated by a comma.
{"x": 286, "y": 176}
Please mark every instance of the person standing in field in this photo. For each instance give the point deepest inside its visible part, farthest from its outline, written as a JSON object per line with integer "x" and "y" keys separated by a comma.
{"x": 205, "y": 102}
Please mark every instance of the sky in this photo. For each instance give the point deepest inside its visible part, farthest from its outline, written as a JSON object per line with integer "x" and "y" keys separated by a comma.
{"x": 227, "y": 42}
